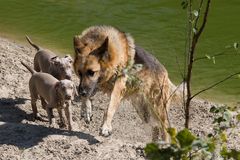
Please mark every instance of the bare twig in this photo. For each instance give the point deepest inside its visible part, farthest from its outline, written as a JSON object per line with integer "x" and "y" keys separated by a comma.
{"x": 191, "y": 59}
{"x": 204, "y": 20}
{"x": 214, "y": 55}
{"x": 199, "y": 11}
{"x": 215, "y": 84}
{"x": 175, "y": 90}
{"x": 179, "y": 68}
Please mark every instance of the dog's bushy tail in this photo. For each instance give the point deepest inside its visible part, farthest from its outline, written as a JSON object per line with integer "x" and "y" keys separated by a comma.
{"x": 28, "y": 67}
{"x": 32, "y": 44}
{"x": 177, "y": 93}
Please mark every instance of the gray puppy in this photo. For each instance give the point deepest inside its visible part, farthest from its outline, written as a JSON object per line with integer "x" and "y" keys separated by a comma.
{"x": 46, "y": 61}
{"x": 56, "y": 94}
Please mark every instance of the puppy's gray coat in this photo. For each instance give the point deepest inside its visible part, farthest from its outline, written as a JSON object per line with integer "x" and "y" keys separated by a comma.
{"x": 46, "y": 61}
{"x": 54, "y": 93}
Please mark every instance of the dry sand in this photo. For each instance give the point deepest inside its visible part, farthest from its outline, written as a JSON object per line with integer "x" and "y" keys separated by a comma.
{"x": 22, "y": 138}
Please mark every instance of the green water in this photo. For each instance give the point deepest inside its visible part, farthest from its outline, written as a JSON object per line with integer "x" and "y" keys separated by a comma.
{"x": 157, "y": 25}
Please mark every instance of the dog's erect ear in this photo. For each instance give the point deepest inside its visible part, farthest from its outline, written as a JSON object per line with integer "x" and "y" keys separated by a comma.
{"x": 69, "y": 58}
{"x": 55, "y": 60}
{"x": 101, "y": 51}
{"x": 77, "y": 44}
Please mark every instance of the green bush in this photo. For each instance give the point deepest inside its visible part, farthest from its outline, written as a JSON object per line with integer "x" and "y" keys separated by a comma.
{"x": 187, "y": 146}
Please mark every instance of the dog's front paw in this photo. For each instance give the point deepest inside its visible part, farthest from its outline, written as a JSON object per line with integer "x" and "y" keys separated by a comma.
{"x": 106, "y": 130}
{"x": 88, "y": 118}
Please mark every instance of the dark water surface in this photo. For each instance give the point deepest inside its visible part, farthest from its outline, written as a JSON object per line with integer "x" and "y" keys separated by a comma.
{"x": 157, "y": 25}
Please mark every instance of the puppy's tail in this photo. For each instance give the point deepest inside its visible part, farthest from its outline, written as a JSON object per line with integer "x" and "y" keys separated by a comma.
{"x": 177, "y": 93}
{"x": 32, "y": 44}
{"x": 29, "y": 68}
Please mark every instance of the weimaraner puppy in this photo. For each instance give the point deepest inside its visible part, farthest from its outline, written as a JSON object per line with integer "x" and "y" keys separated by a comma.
{"x": 57, "y": 93}
{"x": 46, "y": 61}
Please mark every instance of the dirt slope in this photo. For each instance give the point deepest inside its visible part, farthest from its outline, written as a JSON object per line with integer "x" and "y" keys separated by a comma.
{"x": 22, "y": 138}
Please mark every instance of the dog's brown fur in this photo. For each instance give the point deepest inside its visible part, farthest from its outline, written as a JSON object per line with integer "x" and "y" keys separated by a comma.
{"x": 104, "y": 55}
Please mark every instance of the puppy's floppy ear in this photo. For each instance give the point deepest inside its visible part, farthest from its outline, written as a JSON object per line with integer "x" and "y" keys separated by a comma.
{"x": 58, "y": 85}
{"x": 69, "y": 58}
{"x": 101, "y": 51}
{"x": 55, "y": 60}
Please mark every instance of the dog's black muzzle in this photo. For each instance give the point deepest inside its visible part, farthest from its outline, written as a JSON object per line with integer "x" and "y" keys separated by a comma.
{"x": 86, "y": 92}
{"x": 82, "y": 92}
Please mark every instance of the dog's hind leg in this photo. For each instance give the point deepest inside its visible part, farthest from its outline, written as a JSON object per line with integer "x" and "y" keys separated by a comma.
{"x": 34, "y": 97}
{"x": 34, "y": 107}
{"x": 43, "y": 102}
{"x": 116, "y": 96}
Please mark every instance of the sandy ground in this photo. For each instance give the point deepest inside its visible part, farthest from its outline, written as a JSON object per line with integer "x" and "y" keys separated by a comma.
{"x": 22, "y": 138}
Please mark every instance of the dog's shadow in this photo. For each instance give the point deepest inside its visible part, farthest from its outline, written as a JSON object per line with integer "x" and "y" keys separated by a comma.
{"x": 9, "y": 110}
{"x": 13, "y": 132}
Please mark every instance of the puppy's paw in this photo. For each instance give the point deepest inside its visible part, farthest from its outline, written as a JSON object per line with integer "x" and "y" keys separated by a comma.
{"x": 50, "y": 126}
{"x": 61, "y": 124}
{"x": 106, "y": 130}
{"x": 35, "y": 116}
{"x": 70, "y": 128}
{"x": 53, "y": 124}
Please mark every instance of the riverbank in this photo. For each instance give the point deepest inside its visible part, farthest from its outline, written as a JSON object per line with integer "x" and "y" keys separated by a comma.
{"x": 22, "y": 138}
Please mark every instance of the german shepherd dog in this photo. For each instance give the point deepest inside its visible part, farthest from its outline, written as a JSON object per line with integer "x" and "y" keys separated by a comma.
{"x": 107, "y": 59}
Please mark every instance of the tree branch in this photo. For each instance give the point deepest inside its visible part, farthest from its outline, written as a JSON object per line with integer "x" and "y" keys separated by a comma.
{"x": 215, "y": 84}
{"x": 204, "y": 20}
{"x": 214, "y": 55}
{"x": 192, "y": 47}
{"x": 199, "y": 11}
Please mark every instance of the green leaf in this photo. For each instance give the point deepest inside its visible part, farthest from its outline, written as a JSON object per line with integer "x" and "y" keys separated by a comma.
{"x": 223, "y": 137}
{"x": 227, "y": 116}
{"x": 154, "y": 153}
{"x": 234, "y": 154}
{"x": 213, "y": 59}
{"x": 224, "y": 152}
{"x": 151, "y": 147}
{"x": 185, "y": 138}
{"x": 238, "y": 75}
{"x": 235, "y": 45}
{"x": 208, "y": 57}
{"x": 211, "y": 147}
{"x": 194, "y": 30}
{"x": 173, "y": 132}
{"x": 195, "y": 13}
{"x": 199, "y": 143}
{"x": 214, "y": 109}
{"x": 238, "y": 117}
